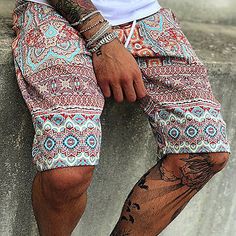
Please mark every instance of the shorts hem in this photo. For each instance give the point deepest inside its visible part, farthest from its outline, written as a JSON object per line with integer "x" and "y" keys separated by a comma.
{"x": 60, "y": 163}
{"x": 161, "y": 153}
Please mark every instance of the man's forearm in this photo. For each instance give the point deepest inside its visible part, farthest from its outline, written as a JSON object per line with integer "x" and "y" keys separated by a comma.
{"x": 73, "y": 10}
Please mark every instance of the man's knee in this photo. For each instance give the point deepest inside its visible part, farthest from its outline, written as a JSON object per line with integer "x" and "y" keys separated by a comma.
{"x": 215, "y": 161}
{"x": 218, "y": 160}
{"x": 65, "y": 184}
{"x": 193, "y": 170}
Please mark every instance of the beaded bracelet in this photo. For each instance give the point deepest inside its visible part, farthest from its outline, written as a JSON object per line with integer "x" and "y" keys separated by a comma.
{"x": 85, "y": 18}
{"x": 92, "y": 26}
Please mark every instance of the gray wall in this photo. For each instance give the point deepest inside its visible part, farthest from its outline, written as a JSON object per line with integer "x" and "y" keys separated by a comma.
{"x": 128, "y": 151}
{"x": 208, "y": 11}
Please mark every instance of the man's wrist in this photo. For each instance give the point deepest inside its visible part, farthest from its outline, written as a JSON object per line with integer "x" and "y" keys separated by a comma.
{"x": 97, "y": 33}
{"x": 107, "y": 38}
{"x": 93, "y": 21}
{"x": 111, "y": 46}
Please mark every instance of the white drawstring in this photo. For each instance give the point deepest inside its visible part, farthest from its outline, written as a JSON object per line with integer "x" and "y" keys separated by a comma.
{"x": 130, "y": 34}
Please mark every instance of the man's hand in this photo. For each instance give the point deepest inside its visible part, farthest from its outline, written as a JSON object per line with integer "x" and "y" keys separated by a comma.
{"x": 116, "y": 70}
{"x": 118, "y": 73}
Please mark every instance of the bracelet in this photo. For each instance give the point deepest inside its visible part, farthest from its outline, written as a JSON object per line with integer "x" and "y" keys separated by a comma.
{"x": 101, "y": 32}
{"x": 109, "y": 37}
{"x": 103, "y": 28}
{"x": 85, "y": 18}
{"x": 92, "y": 26}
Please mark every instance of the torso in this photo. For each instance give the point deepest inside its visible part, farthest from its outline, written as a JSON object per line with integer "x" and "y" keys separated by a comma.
{"x": 122, "y": 11}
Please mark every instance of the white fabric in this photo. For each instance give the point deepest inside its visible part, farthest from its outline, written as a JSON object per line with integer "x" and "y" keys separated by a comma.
{"x": 130, "y": 34}
{"x": 45, "y": 2}
{"x": 122, "y": 11}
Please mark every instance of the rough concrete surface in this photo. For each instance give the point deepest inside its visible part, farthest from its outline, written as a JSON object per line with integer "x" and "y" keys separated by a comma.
{"x": 210, "y": 11}
{"x": 128, "y": 146}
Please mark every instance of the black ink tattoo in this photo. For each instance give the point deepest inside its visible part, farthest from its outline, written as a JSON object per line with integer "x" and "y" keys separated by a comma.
{"x": 128, "y": 211}
{"x": 99, "y": 52}
{"x": 142, "y": 181}
{"x": 176, "y": 183}
{"x": 73, "y": 10}
{"x": 195, "y": 173}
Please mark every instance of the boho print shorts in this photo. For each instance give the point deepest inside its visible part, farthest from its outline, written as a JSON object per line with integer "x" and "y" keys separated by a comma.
{"x": 55, "y": 75}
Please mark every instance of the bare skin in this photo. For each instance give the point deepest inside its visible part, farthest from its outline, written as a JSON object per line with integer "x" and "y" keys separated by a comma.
{"x": 163, "y": 192}
{"x": 59, "y": 199}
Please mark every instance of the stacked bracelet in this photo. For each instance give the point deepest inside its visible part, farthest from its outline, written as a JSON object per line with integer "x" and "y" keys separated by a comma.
{"x": 107, "y": 38}
{"x": 101, "y": 37}
{"x": 85, "y": 18}
{"x": 101, "y": 32}
{"x": 93, "y": 26}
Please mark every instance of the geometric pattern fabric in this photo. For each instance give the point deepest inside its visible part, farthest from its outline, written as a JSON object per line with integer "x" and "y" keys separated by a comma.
{"x": 56, "y": 78}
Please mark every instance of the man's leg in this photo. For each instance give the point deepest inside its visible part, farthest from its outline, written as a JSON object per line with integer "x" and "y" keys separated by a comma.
{"x": 56, "y": 78}
{"x": 162, "y": 193}
{"x": 59, "y": 199}
{"x": 185, "y": 118}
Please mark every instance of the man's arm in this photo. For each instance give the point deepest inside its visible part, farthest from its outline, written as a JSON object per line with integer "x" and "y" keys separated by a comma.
{"x": 116, "y": 70}
{"x": 73, "y": 10}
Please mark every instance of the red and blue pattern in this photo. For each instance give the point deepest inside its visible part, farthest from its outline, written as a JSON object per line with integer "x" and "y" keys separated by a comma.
{"x": 55, "y": 75}
{"x": 56, "y": 78}
{"x": 181, "y": 108}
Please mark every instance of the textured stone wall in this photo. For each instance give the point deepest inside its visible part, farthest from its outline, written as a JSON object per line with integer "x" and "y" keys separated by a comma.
{"x": 210, "y": 11}
{"x": 128, "y": 145}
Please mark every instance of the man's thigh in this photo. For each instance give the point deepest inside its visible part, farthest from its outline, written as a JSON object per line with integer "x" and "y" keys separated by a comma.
{"x": 181, "y": 108}
{"x": 55, "y": 75}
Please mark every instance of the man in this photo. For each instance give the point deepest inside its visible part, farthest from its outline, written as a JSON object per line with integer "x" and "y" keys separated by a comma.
{"x": 67, "y": 59}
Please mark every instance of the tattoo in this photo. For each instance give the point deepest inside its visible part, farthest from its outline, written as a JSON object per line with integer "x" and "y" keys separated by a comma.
{"x": 130, "y": 206}
{"x": 73, "y": 10}
{"x": 196, "y": 171}
{"x": 142, "y": 181}
{"x": 164, "y": 191}
{"x": 128, "y": 211}
{"x": 99, "y": 52}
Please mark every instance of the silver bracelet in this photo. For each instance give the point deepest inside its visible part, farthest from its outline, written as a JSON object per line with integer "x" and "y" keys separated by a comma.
{"x": 92, "y": 26}
{"x": 85, "y": 18}
{"x": 107, "y": 39}
{"x": 101, "y": 32}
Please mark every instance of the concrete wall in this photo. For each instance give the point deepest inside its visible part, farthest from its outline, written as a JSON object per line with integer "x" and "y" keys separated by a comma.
{"x": 128, "y": 151}
{"x": 210, "y": 11}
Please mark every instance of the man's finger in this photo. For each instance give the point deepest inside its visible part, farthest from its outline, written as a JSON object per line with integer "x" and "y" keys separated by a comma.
{"x": 140, "y": 88}
{"x": 129, "y": 92}
{"x": 117, "y": 93}
{"x": 105, "y": 90}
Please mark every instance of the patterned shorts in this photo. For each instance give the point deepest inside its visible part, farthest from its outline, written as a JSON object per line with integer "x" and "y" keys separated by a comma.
{"x": 55, "y": 75}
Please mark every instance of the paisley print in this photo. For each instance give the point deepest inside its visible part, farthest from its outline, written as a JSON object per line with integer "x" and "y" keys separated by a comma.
{"x": 55, "y": 75}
